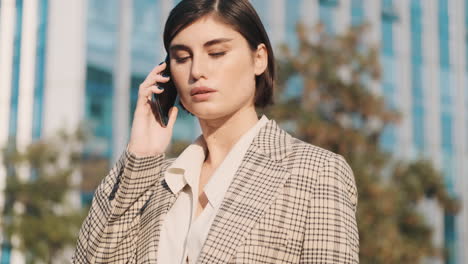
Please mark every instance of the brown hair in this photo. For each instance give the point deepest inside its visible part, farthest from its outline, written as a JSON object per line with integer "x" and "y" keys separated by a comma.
{"x": 239, "y": 14}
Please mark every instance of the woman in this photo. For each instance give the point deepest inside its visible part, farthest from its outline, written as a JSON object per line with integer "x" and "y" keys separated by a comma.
{"x": 245, "y": 191}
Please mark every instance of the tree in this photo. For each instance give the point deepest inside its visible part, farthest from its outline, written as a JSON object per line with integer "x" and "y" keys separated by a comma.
{"x": 337, "y": 110}
{"x": 37, "y": 209}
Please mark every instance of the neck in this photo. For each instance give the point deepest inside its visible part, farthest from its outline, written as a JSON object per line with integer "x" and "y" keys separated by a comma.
{"x": 221, "y": 134}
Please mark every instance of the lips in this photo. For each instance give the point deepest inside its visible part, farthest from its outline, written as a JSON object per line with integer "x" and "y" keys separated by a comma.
{"x": 201, "y": 90}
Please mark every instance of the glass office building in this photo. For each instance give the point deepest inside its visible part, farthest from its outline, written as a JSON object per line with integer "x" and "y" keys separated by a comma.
{"x": 63, "y": 62}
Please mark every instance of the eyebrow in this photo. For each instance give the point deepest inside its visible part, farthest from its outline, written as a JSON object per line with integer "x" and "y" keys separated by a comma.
{"x": 212, "y": 42}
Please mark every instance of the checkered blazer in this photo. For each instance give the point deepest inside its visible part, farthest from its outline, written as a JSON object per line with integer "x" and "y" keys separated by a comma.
{"x": 289, "y": 202}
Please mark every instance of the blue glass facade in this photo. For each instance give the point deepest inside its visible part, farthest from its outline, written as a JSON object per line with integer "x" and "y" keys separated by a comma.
{"x": 13, "y": 122}
{"x": 450, "y": 237}
{"x": 6, "y": 253}
{"x": 98, "y": 110}
{"x": 417, "y": 91}
{"x": 387, "y": 58}
{"x": 357, "y": 12}
{"x": 294, "y": 84}
{"x": 98, "y": 115}
{"x": 446, "y": 119}
{"x": 263, "y": 9}
{"x": 40, "y": 70}
{"x": 326, "y": 10}
{"x": 13, "y": 118}
{"x": 102, "y": 27}
{"x": 446, "y": 89}
{"x": 147, "y": 30}
{"x": 145, "y": 46}
{"x": 293, "y": 8}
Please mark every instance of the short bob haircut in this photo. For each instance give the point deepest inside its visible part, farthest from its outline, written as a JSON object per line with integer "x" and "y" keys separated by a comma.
{"x": 242, "y": 17}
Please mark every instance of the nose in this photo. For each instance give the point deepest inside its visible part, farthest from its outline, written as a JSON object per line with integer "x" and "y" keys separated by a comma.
{"x": 198, "y": 68}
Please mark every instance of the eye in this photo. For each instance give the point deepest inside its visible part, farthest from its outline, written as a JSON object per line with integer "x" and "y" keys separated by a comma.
{"x": 181, "y": 59}
{"x": 217, "y": 54}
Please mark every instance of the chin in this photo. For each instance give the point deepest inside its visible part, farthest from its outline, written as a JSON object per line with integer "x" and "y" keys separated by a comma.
{"x": 208, "y": 115}
{"x": 208, "y": 112}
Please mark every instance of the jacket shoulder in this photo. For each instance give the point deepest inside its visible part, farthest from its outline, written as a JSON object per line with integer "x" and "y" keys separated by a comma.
{"x": 308, "y": 156}
{"x": 310, "y": 165}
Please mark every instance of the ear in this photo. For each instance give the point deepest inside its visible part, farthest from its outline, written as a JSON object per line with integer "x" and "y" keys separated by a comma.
{"x": 260, "y": 59}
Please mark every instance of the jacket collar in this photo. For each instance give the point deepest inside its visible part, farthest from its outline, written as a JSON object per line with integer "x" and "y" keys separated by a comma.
{"x": 273, "y": 141}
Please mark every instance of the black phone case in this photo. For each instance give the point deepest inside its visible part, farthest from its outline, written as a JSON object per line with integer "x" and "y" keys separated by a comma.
{"x": 165, "y": 100}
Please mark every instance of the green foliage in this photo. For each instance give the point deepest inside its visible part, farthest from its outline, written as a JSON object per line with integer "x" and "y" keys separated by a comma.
{"x": 38, "y": 210}
{"x": 338, "y": 110}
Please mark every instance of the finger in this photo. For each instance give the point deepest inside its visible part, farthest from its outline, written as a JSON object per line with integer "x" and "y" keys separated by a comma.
{"x": 155, "y": 72}
{"x": 146, "y": 94}
{"x": 151, "y": 80}
{"x": 172, "y": 117}
{"x": 148, "y": 86}
{"x": 158, "y": 68}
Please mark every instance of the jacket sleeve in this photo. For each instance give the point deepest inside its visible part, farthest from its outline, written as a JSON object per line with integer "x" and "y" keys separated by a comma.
{"x": 331, "y": 234}
{"x": 109, "y": 230}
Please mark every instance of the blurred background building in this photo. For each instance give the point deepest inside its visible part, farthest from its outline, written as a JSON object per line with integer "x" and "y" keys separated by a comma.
{"x": 67, "y": 61}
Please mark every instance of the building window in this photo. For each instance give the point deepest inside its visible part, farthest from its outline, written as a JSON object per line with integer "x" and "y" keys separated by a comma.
{"x": 417, "y": 92}
{"x": 326, "y": 14}
{"x": 446, "y": 119}
{"x": 292, "y": 19}
{"x": 450, "y": 237}
{"x": 98, "y": 112}
{"x": 329, "y": 3}
{"x": 357, "y": 12}
{"x": 146, "y": 40}
{"x": 101, "y": 39}
{"x": 16, "y": 70}
{"x": 6, "y": 252}
{"x": 40, "y": 70}
{"x": 388, "y": 139}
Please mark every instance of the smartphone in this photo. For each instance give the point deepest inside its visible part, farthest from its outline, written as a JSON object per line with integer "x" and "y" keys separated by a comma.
{"x": 165, "y": 100}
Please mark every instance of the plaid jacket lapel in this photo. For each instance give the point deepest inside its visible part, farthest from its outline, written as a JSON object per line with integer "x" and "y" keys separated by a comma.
{"x": 150, "y": 225}
{"x": 258, "y": 178}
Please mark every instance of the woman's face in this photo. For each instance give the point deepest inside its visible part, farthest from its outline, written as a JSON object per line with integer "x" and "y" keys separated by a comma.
{"x": 214, "y": 68}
